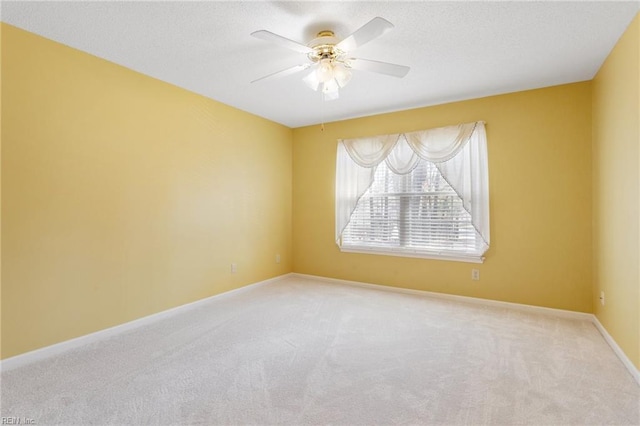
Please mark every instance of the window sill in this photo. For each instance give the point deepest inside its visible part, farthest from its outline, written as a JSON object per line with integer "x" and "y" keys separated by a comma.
{"x": 422, "y": 255}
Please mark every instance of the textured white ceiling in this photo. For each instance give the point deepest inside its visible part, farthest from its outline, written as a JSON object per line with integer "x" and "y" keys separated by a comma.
{"x": 456, "y": 50}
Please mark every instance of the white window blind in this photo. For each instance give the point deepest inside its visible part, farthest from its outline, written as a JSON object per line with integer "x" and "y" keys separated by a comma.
{"x": 417, "y": 212}
{"x": 423, "y": 194}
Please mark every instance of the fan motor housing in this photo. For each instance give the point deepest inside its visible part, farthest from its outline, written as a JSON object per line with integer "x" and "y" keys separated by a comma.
{"x": 324, "y": 47}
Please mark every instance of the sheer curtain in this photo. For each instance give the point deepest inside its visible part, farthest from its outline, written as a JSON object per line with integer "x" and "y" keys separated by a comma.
{"x": 459, "y": 152}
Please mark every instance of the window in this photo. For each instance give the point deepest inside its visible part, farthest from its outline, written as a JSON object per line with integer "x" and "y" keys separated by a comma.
{"x": 406, "y": 205}
{"x": 414, "y": 213}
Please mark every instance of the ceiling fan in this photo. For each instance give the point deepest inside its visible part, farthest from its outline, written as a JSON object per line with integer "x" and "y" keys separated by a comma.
{"x": 330, "y": 60}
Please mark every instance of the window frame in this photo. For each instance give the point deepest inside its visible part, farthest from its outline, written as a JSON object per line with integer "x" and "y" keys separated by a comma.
{"x": 435, "y": 255}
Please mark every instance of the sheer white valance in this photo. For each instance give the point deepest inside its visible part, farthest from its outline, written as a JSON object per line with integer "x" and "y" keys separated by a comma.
{"x": 459, "y": 152}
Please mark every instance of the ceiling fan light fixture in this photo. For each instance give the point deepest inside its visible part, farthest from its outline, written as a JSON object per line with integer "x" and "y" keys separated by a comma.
{"x": 330, "y": 90}
{"x": 325, "y": 70}
{"x": 330, "y": 86}
{"x": 328, "y": 77}
{"x": 341, "y": 74}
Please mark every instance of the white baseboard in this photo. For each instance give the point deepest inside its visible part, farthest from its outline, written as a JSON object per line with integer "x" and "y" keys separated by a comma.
{"x": 617, "y": 350}
{"x": 466, "y": 299}
{"x": 58, "y": 348}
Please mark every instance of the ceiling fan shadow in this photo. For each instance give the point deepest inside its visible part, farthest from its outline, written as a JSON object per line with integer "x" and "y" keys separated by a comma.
{"x": 311, "y": 30}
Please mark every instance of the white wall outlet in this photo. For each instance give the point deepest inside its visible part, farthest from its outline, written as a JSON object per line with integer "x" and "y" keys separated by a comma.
{"x": 475, "y": 274}
{"x": 277, "y": 258}
{"x": 602, "y": 298}
{"x": 234, "y": 268}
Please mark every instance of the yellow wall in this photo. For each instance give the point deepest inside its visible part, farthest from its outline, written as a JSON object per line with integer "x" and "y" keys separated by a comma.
{"x": 124, "y": 196}
{"x": 616, "y": 182}
{"x": 539, "y": 145}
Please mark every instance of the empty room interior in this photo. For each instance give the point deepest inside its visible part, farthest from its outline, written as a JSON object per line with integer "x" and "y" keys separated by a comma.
{"x": 320, "y": 213}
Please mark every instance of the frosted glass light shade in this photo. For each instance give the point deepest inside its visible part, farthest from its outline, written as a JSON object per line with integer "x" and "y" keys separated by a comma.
{"x": 341, "y": 74}
{"x": 328, "y": 77}
{"x": 312, "y": 81}
{"x": 325, "y": 70}
{"x": 330, "y": 86}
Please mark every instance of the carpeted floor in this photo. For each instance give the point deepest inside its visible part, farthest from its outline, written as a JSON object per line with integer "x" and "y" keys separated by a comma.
{"x": 300, "y": 351}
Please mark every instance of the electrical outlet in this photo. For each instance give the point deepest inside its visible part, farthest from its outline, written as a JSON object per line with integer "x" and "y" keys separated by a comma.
{"x": 475, "y": 274}
{"x": 234, "y": 268}
{"x": 602, "y": 298}
{"x": 277, "y": 258}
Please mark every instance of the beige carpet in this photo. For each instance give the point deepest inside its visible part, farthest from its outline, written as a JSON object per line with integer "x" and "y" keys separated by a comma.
{"x": 299, "y": 351}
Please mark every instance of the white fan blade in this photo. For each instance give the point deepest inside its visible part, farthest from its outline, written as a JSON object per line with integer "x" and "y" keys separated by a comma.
{"x": 281, "y": 41}
{"x": 330, "y": 96}
{"x": 369, "y": 31}
{"x": 284, "y": 72}
{"x": 379, "y": 67}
